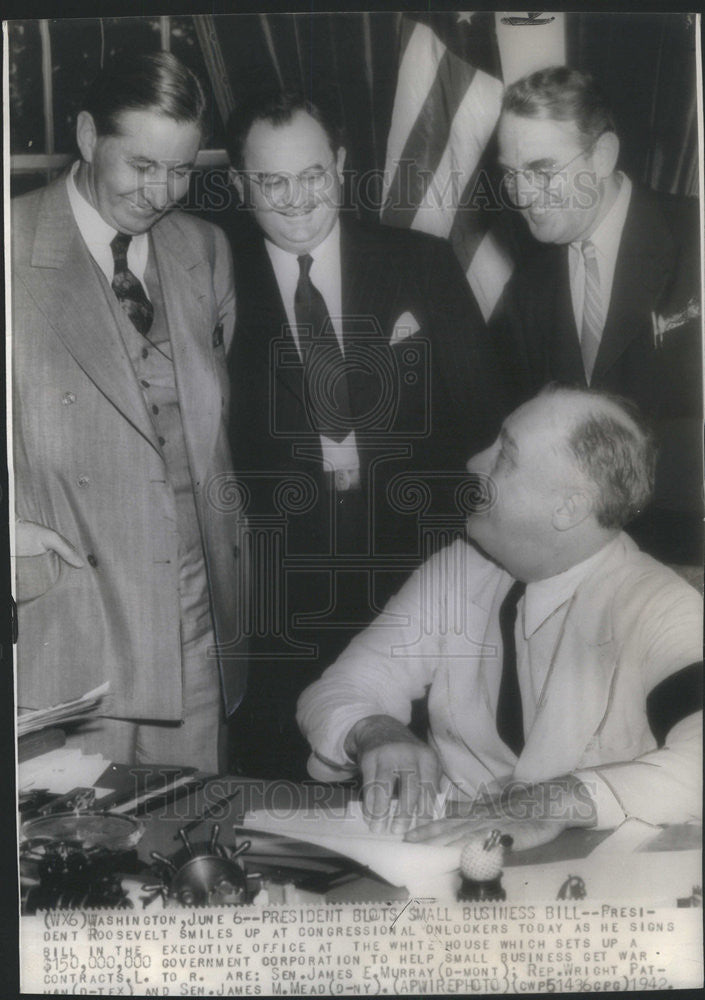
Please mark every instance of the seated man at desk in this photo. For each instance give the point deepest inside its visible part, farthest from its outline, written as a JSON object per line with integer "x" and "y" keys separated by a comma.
{"x": 560, "y": 661}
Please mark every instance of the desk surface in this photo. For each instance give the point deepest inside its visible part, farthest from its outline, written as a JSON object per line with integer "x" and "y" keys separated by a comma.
{"x": 161, "y": 829}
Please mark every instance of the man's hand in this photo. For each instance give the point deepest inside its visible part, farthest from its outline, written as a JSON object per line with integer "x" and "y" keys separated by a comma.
{"x": 35, "y": 540}
{"x": 388, "y": 753}
{"x": 530, "y": 814}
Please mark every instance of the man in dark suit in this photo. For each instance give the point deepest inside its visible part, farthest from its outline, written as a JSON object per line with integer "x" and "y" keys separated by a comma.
{"x": 362, "y": 378}
{"x": 612, "y": 299}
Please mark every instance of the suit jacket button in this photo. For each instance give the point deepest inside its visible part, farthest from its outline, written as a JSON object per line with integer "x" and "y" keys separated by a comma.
{"x": 92, "y": 561}
{"x": 83, "y": 481}
{"x": 68, "y": 398}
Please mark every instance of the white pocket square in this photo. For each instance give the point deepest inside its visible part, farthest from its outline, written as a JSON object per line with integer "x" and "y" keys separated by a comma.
{"x": 664, "y": 324}
{"x": 404, "y": 327}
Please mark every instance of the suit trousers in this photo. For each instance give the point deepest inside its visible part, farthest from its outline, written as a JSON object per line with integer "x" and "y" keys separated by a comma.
{"x": 197, "y": 741}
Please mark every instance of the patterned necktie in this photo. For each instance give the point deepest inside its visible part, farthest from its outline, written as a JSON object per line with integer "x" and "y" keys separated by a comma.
{"x": 129, "y": 289}
{"x": 326, "y": 380}
{"x": 510, "y": 716}
{"x": 591, "y": 329}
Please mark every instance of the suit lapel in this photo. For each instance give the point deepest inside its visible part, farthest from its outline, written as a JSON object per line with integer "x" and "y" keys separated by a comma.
{"x": 644, "y": 264}
{"x": 369, "y": 293}
{"x": 266, "y": 321}
{"x": 65, "y": 283}
{"x": 184, "y": 280}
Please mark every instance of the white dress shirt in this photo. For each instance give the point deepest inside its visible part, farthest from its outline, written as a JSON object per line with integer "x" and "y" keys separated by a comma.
{"x": 606, "y": 240}
{"x": 98, "y": 235}
{"x": 326, "y": 275}
{"x": 595, "y": 639}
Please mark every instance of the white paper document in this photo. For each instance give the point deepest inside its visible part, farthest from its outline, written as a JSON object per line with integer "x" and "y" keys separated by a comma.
{"x": 55, "y": 715}
{"x": 346, "y": 831}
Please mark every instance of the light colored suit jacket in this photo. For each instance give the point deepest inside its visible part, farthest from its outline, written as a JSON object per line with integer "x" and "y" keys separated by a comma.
{"x": 88, "y": 465}
{"x": 630, "y": 624}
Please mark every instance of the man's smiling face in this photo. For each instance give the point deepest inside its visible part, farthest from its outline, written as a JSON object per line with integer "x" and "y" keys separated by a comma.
{"x": 134, "y": 177}
{"x": 568, "y": 209}
{"x": 292, "y": 181}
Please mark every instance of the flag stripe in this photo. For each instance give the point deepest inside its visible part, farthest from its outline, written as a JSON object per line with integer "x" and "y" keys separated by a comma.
{"x": 469, "y": 225}
{"x": 427, "y": 141}
{"x": 417, "y": 71}
{"x": 409, "y": 28}
{"x": 457, "y": 171}
{"x": 445, "y": 111}
{"x": 488, "y": 273}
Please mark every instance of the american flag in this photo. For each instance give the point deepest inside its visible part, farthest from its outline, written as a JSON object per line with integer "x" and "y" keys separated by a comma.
{"x": 448, "y": 98}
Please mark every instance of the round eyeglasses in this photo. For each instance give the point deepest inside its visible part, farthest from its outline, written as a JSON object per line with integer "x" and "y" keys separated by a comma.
{"x": 540, "y": 179}
{"x": 279, "y": 187}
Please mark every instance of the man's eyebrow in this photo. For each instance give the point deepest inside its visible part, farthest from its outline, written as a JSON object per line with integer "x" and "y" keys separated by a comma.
{"x": 545, "y": 161}
{"x": 150, "y": 161}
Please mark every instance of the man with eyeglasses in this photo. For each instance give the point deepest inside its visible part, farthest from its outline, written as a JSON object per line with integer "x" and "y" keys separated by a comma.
{"x": 613, "y": 299}
{"x": 359, "y": 363}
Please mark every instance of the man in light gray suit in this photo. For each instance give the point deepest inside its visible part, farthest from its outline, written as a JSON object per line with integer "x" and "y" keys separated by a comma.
{"x": 129, "y": 532}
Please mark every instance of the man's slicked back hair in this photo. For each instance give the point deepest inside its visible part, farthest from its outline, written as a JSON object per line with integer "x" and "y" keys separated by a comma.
{"x": 562, "y": 94}
{"x": 615, "y": 448}
{"x": 277, "y": 107}
{"x": 145, "y": 81}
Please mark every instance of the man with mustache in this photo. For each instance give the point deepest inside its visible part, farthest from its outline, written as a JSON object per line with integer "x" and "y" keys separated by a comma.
{"x": 562, "y": 663}
{"x": 359, "y": 359}
{"x": 129, "y": 567}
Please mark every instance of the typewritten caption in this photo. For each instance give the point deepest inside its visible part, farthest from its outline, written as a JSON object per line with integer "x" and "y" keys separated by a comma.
{"x": 414, "y": 948}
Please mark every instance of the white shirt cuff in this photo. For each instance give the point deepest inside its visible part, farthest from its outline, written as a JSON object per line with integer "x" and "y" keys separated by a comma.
{"x": 609, "y": 812}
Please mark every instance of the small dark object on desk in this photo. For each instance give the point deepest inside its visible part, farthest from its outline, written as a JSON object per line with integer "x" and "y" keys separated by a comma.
{"x": 69, "y": 876}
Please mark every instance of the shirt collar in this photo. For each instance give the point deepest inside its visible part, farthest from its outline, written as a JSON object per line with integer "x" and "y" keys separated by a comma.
{"x": 91, "y": 224}
{"x": 328, "y": 247}
{"x": 606, "y": 237}
{"x": 544, "y": 597}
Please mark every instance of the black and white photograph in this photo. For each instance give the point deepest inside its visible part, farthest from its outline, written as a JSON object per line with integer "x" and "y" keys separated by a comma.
{"x": 355, "y": 491}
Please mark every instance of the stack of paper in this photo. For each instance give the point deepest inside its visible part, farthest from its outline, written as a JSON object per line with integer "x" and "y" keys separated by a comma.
{"x": 416, "y": 866}
{"x": 56, "y": 715}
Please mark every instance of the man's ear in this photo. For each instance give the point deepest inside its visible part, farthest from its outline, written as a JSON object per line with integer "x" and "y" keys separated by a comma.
{"x": 86, "y": 135}
{"x": 236, "y": 180}
{"x": 340, "y": 162}
{"x": 605, "y": 154}
{"x": 572, "y": 510}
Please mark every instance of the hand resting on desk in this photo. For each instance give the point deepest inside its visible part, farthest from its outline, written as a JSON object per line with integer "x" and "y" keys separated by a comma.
{"x": 388, "y": 753}
{"x": 531, "y": 814}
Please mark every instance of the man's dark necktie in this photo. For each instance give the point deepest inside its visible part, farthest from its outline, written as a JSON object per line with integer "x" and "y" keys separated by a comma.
{"x": 129, "y": 289}
{"x": 326, "y": 380}
{"x": 510, "y": 717}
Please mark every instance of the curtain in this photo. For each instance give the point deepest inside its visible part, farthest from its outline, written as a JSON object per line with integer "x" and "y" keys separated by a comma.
{"x": 646, "y": 64}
